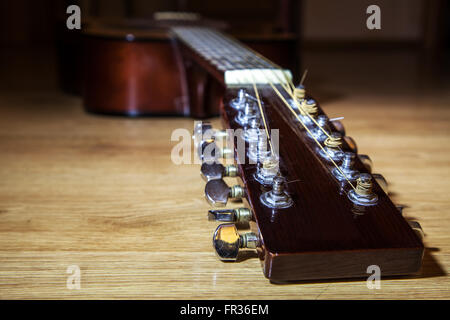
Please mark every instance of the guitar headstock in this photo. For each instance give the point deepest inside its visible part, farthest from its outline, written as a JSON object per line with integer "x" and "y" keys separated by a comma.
{"x": 313, "y": 207}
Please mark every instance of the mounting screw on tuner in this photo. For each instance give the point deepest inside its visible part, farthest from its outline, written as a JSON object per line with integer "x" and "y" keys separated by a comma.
{"x": 227, "y": 242}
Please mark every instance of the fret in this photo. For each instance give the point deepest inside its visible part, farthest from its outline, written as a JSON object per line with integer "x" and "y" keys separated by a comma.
{"x": 239, "y": 64}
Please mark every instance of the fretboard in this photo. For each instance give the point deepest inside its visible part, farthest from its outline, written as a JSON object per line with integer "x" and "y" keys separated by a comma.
{"x": 238, "y": 63}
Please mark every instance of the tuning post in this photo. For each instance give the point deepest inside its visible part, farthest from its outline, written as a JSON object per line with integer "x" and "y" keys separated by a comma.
{"x": 277, "y": 198}
{"x": 230, "y": 215}
{"x": 363, "y": 194}
{"x": 259, "y": 151}
{"x": 332, "y": 147}
{"x": 238, "y": 103}
{"x": 267, "y": 170}
{"x": 227, "y": 242}
{"x": 317, "y": 132}
{"x": 215, "y": 170}
{"x": 217, "y": 192}
{"x": 251, "y": 133}
{"x": 248, "y": 113}
{"x": 346, "y": 170}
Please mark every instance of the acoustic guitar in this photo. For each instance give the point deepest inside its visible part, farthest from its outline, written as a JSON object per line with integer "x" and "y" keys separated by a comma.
{"x": 310, "y": 204}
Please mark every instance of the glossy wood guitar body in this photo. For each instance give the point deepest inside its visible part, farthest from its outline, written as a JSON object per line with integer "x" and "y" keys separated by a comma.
{"x": 136, "y": 68}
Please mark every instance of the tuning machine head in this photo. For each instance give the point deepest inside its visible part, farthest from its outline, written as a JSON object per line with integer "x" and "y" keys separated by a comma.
{"x": 230, "y": 215}
{"x": 366, "y": 161}
{"x": 204, "y": 131}
{"x": 215, "y": 170}
{"x": 227, "y": 242}
{"x": 217, "y": 192}
{"x": 209, "y": 152}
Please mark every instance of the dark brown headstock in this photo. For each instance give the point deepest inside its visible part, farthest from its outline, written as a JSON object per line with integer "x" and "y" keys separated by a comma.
{"x": 314, "y": 208}
{"x": 323, "y": 233}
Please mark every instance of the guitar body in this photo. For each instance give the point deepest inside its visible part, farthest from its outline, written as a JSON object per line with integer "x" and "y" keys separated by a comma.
{"x": 136, "y": 68}
{"x": 133, "y": 71}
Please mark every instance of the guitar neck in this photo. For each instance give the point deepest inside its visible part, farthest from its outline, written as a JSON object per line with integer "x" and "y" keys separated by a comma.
{"x": 229, "y": 61}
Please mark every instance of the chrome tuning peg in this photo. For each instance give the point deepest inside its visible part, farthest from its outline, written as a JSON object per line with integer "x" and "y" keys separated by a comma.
{"x": 230, "y": 215}
{"x": 277, "y": 198}
{"x": 239, "y": 102}
{"x": 205, "y": 128}
{"x": 214, "y": 170}
{"x": 227, "y": 242}
{"x": 217, "y": 192}
{"x": 381, "y": 181}
{"x": 208, "y": 151}
{"x": 346, "y": 171}
{"x": 366, "y": 161}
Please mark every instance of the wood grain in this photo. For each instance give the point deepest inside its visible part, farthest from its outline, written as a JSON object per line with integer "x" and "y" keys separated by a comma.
{"x": 102, "y": 193}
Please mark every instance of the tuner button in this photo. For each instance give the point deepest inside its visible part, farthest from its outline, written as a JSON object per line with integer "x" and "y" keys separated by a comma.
{"x": 381, "y": 181}
{"x": 366, "y": 161}
{"x": 417, "y": 228}
{"x": 203, "y": 131}
{"x": 217, "y": 192}
{"x": 351, "y": 144}
{"x": 213, "y": 171}
{"x": 230, "y": 215}
{"x": 339, "y": 127}
{"x": 227, "y": 242}
{"x": 208, "y": 151}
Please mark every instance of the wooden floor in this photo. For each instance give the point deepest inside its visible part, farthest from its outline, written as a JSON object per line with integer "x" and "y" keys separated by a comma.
{"x": 102, "y": 193}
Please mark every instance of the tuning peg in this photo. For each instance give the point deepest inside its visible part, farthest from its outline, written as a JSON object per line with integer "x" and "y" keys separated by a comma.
{"x": 277, "y": 198}
{"x": 239, "y": 102}
{"x": 230, "y": 215}
{"x": 346, "y": 170}
{"x": 208, "y": 151}
{"x": 352, "y": 147}
{"x": 338, "y": 125}
{"x": 366, "y": 161}
{"x": 214, "y": 170}
{"x": 205, "y": 127}
{"x": 417, "y": 228}
{"x": 381, "y": 181}
{"x": 217, "y": 192}
{"x": 227, "y": 242}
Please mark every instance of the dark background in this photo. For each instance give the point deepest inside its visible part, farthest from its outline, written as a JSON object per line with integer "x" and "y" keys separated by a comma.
{"x": 30, "y": 31}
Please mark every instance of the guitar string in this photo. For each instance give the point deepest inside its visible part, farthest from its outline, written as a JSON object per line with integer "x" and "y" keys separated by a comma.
{"x": 307, "y": 129}
{"x": 331, "y": 141}
{"x": 289, "y": 91}
{"x": 263, "y": 117}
